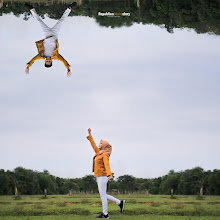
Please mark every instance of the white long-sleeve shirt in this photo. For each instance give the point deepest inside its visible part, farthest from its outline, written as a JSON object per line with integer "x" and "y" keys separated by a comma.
{"x": 49, "y": 46}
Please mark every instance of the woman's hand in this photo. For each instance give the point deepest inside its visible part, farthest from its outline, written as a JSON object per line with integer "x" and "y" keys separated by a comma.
{"x": 89, "y": 130}
{"x": 110, "y": 178}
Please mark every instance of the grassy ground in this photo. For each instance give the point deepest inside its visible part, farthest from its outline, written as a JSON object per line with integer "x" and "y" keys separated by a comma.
{"x": 88, "y": 206}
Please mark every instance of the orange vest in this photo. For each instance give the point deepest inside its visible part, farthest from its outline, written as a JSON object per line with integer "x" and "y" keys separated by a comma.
{"x": 101, "y": 165}
{"x": 55, "y": 55}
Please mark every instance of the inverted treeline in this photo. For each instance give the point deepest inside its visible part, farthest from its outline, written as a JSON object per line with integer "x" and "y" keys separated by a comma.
{"x": 200, "y": 15}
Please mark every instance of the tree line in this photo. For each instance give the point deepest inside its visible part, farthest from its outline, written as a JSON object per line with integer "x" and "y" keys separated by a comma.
{"x": 201, "y": 15}
{"x": 188, "y": 182}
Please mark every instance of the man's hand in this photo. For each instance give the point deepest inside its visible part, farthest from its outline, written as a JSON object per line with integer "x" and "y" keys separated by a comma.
{"x": 27, "y": 70}
{"x": 69, "y": 73}
{"x": 110, "y": 178}
{"x": 89, "y": 130}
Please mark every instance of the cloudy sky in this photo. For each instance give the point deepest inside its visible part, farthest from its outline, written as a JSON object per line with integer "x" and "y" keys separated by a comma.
{"x": 154, "y": 96}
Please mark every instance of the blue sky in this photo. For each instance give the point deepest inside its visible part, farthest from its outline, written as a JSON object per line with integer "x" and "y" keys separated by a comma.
{"x": 153, "y": 95}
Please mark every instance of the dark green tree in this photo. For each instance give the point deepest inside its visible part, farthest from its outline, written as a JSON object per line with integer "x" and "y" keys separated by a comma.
{"x": 170, "y": 181}
{"x": 214, "y": 182}
{"x": 155, "y": 185}
{"x": 126, "y": 183}
{"x": 27, "y": 181}
{"x": 89, "y": 183}
{"x": 190, "y": 181}
{"x": 4, "y": 183}
{"x": 48, "y": 182}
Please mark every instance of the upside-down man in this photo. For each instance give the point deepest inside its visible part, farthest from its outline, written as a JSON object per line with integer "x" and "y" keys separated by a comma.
{"x": 48, "y": 47}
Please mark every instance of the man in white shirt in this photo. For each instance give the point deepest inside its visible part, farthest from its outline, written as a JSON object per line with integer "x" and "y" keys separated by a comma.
{"x": 48, "y": 47}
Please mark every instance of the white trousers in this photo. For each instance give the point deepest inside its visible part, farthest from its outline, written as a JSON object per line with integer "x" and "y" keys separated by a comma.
{"x": 102, "y": 187}
{"x": 56, "y": 28}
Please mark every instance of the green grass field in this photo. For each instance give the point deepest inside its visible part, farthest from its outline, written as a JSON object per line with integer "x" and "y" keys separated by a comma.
{"x": 89, "y": 206}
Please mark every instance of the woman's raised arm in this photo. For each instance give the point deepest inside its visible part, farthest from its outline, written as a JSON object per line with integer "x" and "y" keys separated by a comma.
{"x": 90, "y": 138}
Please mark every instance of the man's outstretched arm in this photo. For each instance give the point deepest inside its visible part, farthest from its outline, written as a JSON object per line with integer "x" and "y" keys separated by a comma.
{"x": 66, "y": 64}
{"x": 30, "y": 63}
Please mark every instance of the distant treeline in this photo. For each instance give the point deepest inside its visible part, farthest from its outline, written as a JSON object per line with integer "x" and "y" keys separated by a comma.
{"x": 189, "y": 182}
{"x": 201, "y": 15}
